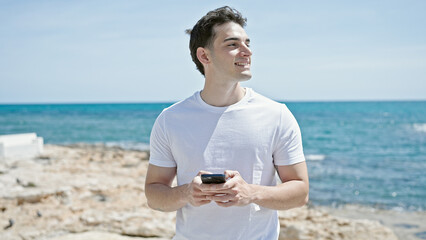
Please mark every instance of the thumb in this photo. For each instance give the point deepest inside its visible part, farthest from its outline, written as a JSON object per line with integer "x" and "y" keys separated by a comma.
{"x": 203, "y": 172}
{"x": 231, "y": 174}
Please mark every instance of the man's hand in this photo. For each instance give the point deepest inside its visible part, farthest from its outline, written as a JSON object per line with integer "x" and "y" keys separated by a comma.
{"x": 292, "y": 192}
{"x": 196, "y": 197}
{"x": 235, "y": 192}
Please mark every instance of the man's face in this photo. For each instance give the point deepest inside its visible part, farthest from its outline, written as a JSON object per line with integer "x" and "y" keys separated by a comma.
{"x": 230, "y": 53}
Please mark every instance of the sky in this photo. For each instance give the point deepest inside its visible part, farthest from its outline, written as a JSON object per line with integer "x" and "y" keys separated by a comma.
{"x": 86, "y": 51}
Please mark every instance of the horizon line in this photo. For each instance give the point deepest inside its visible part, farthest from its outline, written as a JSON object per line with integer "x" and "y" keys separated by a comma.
{"x": 175, "y": 101}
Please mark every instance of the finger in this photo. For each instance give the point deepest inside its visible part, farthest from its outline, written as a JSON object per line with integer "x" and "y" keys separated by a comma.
{"x": 197, "y": 181}
{"x": 203, "y": 172}
{"x": 202, "y": 202}
{"x": 199, "y": 193}
{"x": 201, "y": 198}
{"x": 226, "y": 204}
{"x": 213, "y": 187}
{"x": 231, "y": 173}
{"x": 220, "y": 197}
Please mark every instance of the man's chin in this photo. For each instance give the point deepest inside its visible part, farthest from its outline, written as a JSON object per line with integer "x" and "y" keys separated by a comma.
{"x": 245, "y": 76}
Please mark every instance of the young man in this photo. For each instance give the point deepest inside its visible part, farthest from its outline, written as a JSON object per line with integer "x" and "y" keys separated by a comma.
{"x": 226, "y": 128}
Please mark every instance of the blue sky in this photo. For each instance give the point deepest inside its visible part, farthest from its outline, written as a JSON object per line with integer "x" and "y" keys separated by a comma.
{"x": 137, "y": 51}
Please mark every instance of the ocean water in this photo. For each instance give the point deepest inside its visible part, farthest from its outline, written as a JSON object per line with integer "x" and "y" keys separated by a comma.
{"x": 368, "y": 153}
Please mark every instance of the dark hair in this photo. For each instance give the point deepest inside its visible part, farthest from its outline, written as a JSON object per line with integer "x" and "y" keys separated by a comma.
{"x": 202, "y": 34}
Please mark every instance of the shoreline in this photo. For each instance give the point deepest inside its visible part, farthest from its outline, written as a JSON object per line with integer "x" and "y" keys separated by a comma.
{"x": 76, "y": 188}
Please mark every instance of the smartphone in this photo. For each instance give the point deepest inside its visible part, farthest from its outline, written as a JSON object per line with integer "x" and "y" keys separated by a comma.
{"x": 213, "y": 178}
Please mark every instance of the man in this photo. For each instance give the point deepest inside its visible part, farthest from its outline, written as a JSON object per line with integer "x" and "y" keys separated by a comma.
{"x": 226, "y": 128}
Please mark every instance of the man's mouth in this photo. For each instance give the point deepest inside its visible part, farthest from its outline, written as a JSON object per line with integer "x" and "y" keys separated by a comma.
{"x": 242, "y": 64}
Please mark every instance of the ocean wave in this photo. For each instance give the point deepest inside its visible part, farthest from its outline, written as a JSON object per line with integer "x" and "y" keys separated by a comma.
{"x": 315, "y": 157}
{"x": 420, "y": 127}
{"x": 129, "y": 145}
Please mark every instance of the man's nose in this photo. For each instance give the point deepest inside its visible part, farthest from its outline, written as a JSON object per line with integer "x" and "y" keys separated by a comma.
{"x": 246, "y": 50}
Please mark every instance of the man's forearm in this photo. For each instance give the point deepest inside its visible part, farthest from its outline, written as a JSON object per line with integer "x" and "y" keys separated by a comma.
{"x": 165, "y": 198}
{"x": 284, "y": 196}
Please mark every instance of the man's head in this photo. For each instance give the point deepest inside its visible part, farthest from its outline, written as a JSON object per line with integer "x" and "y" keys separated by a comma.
{"x": 203, "y": 33}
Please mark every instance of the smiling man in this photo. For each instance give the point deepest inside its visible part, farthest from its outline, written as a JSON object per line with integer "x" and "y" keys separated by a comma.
{"x": 225, "y": 128}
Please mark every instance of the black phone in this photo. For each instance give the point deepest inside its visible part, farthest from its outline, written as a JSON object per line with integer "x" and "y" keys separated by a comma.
{"x": 213, "y": 178}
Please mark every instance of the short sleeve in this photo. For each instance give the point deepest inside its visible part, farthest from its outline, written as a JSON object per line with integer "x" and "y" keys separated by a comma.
{"x": 160, "y": 151}
{"x": 288, "y": 148}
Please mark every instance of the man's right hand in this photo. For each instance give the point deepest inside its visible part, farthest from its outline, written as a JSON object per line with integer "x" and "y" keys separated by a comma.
{"x": 196, "y": 197}
{"x": 162, "y": 196}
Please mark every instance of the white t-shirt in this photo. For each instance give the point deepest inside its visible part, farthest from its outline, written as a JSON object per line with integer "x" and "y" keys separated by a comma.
{"x": 251, "y": 137}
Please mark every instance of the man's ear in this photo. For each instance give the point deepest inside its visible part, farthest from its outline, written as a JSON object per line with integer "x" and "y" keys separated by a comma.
{"x": 203, "y": 55}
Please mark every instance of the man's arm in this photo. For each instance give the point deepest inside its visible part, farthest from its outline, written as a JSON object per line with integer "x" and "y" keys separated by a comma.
{"x": 292, "y": 192}
{"x": 163, "y": 197}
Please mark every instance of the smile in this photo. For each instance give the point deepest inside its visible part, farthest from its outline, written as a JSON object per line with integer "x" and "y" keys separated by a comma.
{"x": 242, "y": 64}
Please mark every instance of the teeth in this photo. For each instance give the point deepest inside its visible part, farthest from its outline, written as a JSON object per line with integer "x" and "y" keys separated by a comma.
{"x": 241, "y": 64}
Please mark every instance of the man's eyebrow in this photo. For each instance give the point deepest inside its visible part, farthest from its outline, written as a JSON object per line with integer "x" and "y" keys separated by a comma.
{"x": 236, "y": 39}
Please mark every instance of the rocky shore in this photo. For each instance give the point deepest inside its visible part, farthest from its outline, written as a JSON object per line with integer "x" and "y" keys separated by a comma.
{"x": 96, "y": 192}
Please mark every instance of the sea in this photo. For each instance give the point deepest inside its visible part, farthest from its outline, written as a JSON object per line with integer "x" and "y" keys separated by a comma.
{"x": 363, "y": 153}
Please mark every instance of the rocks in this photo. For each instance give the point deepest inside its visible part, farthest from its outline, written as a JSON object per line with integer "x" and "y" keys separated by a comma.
{"x": 306, "y": 223}
{"x": 96, "y": 235}
{"x": 97, "y": 192}
{"x": 11, "y": 222}
{"x": 37, "y": 195}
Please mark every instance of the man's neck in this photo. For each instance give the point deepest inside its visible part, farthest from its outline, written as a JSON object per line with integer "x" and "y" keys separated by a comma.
{"x": 222, "y": 95}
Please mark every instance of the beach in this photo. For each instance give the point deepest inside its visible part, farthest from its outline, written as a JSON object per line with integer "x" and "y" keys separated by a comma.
{"x": 406, "y": 225}
{"x": 84, "y": 191}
